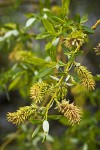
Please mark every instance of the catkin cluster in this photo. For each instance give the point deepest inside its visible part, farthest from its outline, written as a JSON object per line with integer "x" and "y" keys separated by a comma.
{"x": 86, "y": 77}
{"x": 74, "y": 39}
{"x": 21, "y": 115}
{"x": 70, "y": 111}
{"x": 38, "y": 91}
{"x": 62, "y": 91}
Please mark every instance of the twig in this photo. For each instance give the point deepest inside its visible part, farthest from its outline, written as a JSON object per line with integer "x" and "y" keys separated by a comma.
{"x": 96, "y": 24}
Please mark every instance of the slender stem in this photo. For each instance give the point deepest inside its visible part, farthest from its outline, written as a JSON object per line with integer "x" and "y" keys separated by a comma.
{"x": 61, "y": 79}
{"x": 53, "y": 97}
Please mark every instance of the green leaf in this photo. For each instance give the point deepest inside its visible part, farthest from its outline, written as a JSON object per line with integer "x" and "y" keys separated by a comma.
{"x": 10, "y": 26}
{"x": 65, "y": 7}
{"x": 17, "y": 74}
{"x": 79, "y": 53}
{"x": 42, "y": 36}
{"x": 36, "y": 61}
{"x": 88, "y": 30}
{"x": 48, "y": 26}
{"x": 84, "y": 19}
{"x": 61, "y": 74}
{"x": 52, "y": 53}
{"x": 51, "y": 49}
{"x": 71, "y": 59}
{"x": 75, "y": 77}
{"x": 55, "y": 117}
{"x": 36, "y": 131}
{"x": 57, "y": 19}
{"x": 64, "y": 121}
{"x": 36, "y": 121}
{"x": 61, "y": 63}
{"x": 14, "y": 83}
{"x": 48, "y": 46}
{"x": 97, "y": 77}
{"x": 69, "y": 22}
{"x": 77, "y": 18}
{"x": 44, "y": 72}
{"x": 40, "y": 62}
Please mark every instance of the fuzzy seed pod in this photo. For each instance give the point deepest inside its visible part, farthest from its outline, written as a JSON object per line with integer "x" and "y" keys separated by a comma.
{"x": 38, "y": 91}
{"x": 22, "y": 114}
{"x": 86, "y": 77}
{"x": 70, "y": 111}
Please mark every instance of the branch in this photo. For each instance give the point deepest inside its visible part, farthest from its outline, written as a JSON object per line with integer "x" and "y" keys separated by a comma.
{"x": 96, "y": 24}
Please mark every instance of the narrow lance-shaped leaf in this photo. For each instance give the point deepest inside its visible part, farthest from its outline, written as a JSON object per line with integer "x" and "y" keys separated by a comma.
{"x": 14, "y": 83}
{"x": 38, "y": 61}
{"x": 36, "y": 121}
{"x": 45, "y": 71}
{"x": 48, "y": 26}
{"x": 36, "y": 131}
{"x": 88, "y": 30}
{"x": 42, "y": 35}
{"x": 84, "y": 19}
{"x": 65, "y": 7}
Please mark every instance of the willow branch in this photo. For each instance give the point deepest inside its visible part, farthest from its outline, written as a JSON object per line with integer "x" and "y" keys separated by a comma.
{"x": 96, "y": 24}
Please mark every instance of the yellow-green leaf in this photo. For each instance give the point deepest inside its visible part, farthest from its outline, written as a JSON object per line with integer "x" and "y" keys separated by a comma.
{"x": 48, "y": 26}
